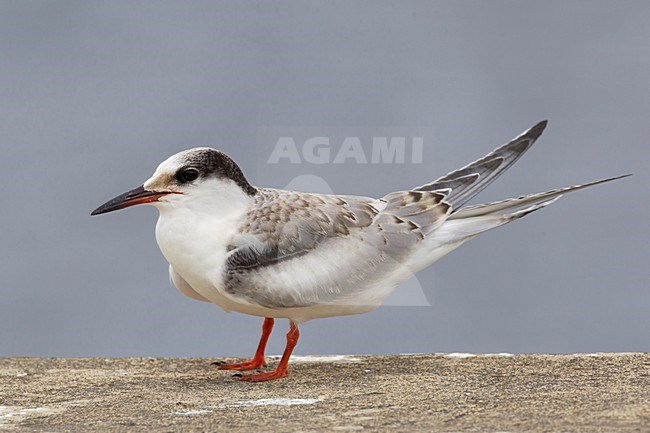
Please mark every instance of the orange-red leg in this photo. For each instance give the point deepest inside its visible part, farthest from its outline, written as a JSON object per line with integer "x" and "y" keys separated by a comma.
{"x": 281, "y": 370}
{"x": 256, "y": 361}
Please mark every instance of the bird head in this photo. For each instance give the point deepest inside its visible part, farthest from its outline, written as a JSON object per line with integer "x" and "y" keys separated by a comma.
{"x": 201, "y": 177}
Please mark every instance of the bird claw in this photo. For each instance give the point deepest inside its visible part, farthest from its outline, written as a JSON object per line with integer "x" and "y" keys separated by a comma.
{"x": 265, "y": 377}
{"x": 252, "y": 364}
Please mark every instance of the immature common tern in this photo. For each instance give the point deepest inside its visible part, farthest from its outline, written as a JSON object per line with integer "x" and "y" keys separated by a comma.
{"x": 283, "y": 254}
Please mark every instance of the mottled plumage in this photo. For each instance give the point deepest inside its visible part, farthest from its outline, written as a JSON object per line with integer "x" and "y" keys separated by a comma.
{"x": 285, "y": 254}
{"x": 282, "y": 226}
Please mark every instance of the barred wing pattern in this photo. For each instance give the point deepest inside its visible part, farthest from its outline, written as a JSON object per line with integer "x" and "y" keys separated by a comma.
{"x": 342, "y": 241}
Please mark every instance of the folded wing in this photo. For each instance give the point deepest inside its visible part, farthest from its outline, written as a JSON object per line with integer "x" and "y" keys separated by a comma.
{"x": 299, "y": 250}
{"x": 468, "y": 181}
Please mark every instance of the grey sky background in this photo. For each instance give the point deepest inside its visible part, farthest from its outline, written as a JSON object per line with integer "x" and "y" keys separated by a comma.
{"x": 93, "y": 95}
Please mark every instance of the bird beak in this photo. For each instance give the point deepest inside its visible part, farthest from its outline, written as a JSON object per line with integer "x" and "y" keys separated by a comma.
{"x": 130, "y": 198}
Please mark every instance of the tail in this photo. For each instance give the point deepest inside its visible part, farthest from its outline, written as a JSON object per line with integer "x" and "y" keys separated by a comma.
{"x": 536, "y": 201}
{"x": 469, "y": 222}
{"x": 459, "y": 186}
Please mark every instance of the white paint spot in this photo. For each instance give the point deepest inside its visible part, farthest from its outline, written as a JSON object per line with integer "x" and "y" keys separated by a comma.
{"x": 324, "y": 358}
{"x": 267, "y": 402}
{"x": 21, "y": 375}
{"x": 192, "y": 412}
{"x": 460, "y": 355}
{"x": 606, "y": 354}
{"x": 7, "y": 412}
{"x": 248, "y": 403}
{"x": 472, "y": 355}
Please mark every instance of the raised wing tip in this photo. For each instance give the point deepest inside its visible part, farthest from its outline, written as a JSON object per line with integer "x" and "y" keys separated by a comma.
{"x": 609, "y": 179}
{"x": 535, "y": 131}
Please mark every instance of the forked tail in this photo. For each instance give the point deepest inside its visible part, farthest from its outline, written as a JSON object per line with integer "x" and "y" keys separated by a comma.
{"x": 471, "y": 221}
{"x": 537, "y": 201}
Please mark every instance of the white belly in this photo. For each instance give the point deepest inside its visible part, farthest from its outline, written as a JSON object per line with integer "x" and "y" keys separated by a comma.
{"x": 197, "y": 249}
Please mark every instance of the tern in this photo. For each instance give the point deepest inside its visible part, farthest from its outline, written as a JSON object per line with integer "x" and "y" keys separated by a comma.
{"x": 283, "y": 254}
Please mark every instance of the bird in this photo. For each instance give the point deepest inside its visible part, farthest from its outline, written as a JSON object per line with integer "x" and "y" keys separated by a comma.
{"x": 280, "y": 254}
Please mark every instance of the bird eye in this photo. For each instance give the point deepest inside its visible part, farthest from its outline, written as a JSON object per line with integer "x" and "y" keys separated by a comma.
{"x": 188, "y": 175}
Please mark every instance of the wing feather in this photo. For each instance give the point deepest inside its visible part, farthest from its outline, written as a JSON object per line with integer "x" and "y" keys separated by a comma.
{"x": 488, "y": 168}
{"x": 347, "y": 238}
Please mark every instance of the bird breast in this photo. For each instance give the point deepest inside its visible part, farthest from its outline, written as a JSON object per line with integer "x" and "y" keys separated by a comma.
{"x": 196, "y": 247}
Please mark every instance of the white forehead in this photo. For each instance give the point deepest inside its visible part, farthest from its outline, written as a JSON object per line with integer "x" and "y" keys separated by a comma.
{"x": 173, "y": 163}
{"x": 178, "y": 160}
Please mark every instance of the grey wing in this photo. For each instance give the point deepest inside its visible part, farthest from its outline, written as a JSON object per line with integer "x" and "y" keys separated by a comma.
{"x": 511, "y": 204}
{"x": 468, "y": 181}
{"x": 183, "y": 286}
{"x": 316, "y": 250}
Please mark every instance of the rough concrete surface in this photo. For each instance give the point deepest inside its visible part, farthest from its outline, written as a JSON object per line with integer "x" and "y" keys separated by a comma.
{"x": 446, "y": 393}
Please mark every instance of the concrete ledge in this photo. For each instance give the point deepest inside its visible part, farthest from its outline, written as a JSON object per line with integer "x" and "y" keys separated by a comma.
{"x": 448, "y": 393}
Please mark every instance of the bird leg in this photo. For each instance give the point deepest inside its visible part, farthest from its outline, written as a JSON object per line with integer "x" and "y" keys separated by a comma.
{"x": 281, "y": 370}
{"x": 256, "y": 361}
